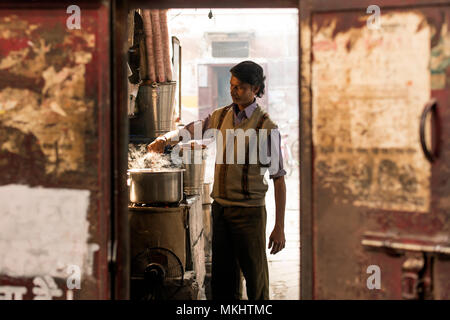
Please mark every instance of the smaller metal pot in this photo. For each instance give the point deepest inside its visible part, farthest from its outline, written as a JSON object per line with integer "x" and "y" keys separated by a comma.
{"x": 156, "y": 187}
{"x": 194, "y": 162}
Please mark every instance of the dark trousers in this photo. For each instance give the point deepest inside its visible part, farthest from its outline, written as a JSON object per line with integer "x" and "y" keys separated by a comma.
{"x": 239, "y": 243}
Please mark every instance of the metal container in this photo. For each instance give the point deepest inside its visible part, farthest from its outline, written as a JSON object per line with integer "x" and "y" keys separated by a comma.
{"x": 158, "y": 227}
{"x": 207, "y": 193}
{"x": 155, "y": 104}
{"x": 156, "y": 187}
{"x": 194, "y": 162}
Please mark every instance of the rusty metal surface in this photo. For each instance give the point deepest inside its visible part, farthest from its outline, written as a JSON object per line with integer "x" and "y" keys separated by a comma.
{"x": 439, "y": 245}
{"x": 54, "y": 124}
{"x": 120, "y": 224}
{"x": 369, "y": 88}
{"x": 440, "y": 175}
{"x": 341, "y": 216}
{"x": 327, "y": 5}
{"x": 306, "y": 154}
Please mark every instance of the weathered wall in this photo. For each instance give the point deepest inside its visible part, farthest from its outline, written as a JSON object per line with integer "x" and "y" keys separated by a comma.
{"x": 54, "y": 152}
{"x": 369, "y": 88}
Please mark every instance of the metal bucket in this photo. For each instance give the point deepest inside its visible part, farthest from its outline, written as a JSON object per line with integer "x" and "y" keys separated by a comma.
{"x": 194, "y": 162}
{"x": 156, "y": 101}
{"x": 207, "y": 193}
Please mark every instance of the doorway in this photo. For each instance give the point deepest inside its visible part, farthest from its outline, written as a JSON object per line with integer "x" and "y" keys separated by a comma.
{"x": 243, "y": 34}
{"x": 190, "y": 102}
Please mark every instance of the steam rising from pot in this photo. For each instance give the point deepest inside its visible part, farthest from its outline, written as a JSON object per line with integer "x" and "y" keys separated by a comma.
{"x": 139, "y": 158}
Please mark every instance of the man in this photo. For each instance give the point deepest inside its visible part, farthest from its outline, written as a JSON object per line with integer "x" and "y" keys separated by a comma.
{"x": 238, "y": 210}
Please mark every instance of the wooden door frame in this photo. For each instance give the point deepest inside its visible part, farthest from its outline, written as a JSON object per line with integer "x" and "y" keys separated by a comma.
{"x": 306, "y": 9}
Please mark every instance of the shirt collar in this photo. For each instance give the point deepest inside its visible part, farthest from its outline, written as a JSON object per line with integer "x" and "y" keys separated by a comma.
{"x": 248, "y": 111}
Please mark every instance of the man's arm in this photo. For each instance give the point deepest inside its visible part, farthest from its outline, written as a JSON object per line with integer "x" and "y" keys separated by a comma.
{"x": 172, "y": 137}
{"x": 276, "y": 156}
{"x": 277, "y": 240}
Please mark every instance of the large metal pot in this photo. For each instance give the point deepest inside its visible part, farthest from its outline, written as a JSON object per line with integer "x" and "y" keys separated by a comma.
{"x": 156, "y": 187}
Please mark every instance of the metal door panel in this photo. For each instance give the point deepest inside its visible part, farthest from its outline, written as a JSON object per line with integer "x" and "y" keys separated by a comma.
{"x": 54, "y": 150}
{"x": 375, "y": 198}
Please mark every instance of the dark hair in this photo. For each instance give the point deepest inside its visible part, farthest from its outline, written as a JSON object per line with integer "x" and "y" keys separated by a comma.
{"x": 251, "y": 73}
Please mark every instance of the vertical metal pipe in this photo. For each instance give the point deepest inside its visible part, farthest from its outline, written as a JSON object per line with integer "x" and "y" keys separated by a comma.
{"x": 120, "y": 239}
{"x": 179, "y": 83}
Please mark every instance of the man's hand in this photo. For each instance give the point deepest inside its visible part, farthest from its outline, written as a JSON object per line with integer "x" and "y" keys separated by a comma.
{"x": 277, "y": 241}
{"x": 157, "y": 145}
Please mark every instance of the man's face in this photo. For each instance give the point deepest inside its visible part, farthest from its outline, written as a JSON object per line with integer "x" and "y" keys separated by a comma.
{"x": 242, "y": 93}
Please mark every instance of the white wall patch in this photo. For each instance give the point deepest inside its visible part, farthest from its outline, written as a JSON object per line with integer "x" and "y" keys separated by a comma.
{"x": 42, "y": 230}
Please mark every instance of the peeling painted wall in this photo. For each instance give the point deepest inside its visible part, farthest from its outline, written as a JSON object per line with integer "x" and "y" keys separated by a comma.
{"x": 30, "y": 244}
{"x": 369, "y": 89}
{"x": 55, "y": 109}
{"x": 54, "y": 152}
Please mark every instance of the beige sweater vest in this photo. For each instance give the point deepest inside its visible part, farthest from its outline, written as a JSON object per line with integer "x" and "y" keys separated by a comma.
{"x": 236, "y": 184}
